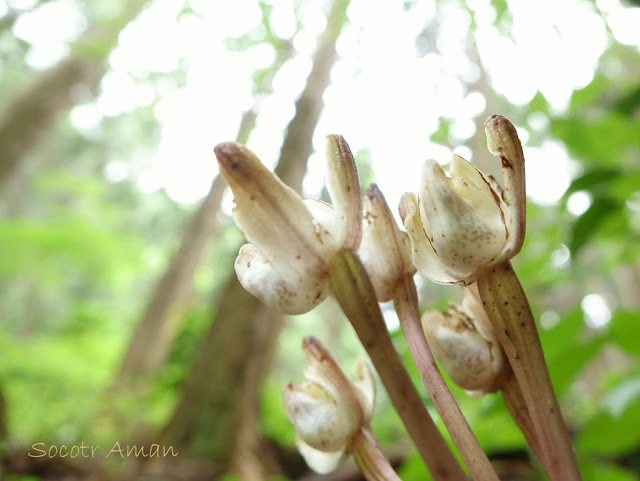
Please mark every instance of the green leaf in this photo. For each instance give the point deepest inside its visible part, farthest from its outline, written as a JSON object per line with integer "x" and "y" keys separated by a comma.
{"x": 538, "y": 103}
{"x": 624, "y": 330}
{"x": 628, "y": 102}
{"x": 414, "y": 469}
{"x": 621, "y": 396}
{"x": 554, "y": 340}
{"x": 442, "y": 134}
{"x": 607, "y": 434}
{"x": 589, "y": 222}
{"x": 593, "y": 178}
{"x": 567, "y": 352}
{"x": 274, "y": 422}
{"x": 501, "y": 7}
{"x": 591, "y": 94}
{"x": 592, "y": 471}
{"x": 602, "y": 142}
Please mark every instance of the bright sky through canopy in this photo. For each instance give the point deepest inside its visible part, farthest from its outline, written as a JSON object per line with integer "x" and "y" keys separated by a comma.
{"x": 385, "y": 96}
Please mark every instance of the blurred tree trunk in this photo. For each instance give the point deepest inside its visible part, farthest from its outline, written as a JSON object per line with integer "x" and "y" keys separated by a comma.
{"x": 158, "y": 326}
{"x": 25, "y": 119}
{"x": 156, "y": 330}
{"x": 218, "y": 411}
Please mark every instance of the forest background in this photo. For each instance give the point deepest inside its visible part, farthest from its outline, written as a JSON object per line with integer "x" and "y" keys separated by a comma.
{"x": 121, "y": 320}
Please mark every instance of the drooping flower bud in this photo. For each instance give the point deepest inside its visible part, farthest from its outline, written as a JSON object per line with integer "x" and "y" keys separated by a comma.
{"x": 285, "y": 264}
{"x": 385, "y": 250}
{"x": 328, "y": 410}
{"x": 461, "y": 224}
{"x": 463, "y": 341}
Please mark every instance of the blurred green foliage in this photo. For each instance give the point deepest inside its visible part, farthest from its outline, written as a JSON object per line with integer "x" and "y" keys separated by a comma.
{"x": 79, "y": 255}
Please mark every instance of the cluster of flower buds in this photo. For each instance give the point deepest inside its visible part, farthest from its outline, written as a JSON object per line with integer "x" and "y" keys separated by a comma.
{"x": 291, "y": 240}
{"x": 385, "y": 250}
{"x": 464, "y": 223}
{"x": 459, "y": 229}
{"x": 329, "y": 410}
{"x": 463, "y": 341}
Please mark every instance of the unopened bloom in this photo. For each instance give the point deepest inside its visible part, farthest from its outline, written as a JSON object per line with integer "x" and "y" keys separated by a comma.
{"x": 328, "y": 410}
{"x": 464, "y": 342}
{"x": 290, "y": 240}
{"x": 385, "y": 250}
{"x": 461, "y": 224}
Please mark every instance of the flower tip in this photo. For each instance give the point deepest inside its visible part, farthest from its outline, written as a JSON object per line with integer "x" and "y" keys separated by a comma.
{"x": 408, "y": 205}
{"x": 225, "y": 151}
{"x": 343, "y": 184}
{"x": 334, "y": 138}
{"x": 339, "y": 152}
{"x": 336, "y": 141}
{"x": 374, "y": 199}
{"x": 503, "y": 142}
{"x": 500, "y": 131}
{"x": 495, "y": 118}
{"x": 233, "y": 158}
{"x": 433, "y": 174}
{"x": 313, "y": 349}
{"x": 373, "y": 191}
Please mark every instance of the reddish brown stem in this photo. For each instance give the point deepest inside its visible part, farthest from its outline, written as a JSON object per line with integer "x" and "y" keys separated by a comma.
{"x": 353, "y": 290}
{"x": 406, "y": 304}
{"x": 372, "y": 462}
{"x": 514, "y": 400}
{"x": 508, "y": 309}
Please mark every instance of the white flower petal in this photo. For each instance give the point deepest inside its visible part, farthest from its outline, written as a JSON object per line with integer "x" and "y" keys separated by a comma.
{"x": 320, "y": 461}
{"x": 325, "y": 372}
{"x": 503, "y": 142}
{"x": 327, "y": 225}
{"x": 467, "y": 235}
{"x": 365, "y": 388}
{"x": 422, "y": 253}
{"x": 384, "y": 251}
{"x": 316, "y": 416}
{"x": 464, "y": 342}
{"x": 343, "y": 185}
{"x": 271, "y": 215}
{"x": 472, "y": 306}
{"x": 474, "y": 187}
{"x": 257, "y": 276}
{"x": 463, "y": 353}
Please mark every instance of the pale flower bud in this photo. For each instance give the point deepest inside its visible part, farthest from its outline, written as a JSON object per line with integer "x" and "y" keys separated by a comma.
{"x": 463, "y": 341}
{"x": 385, "y": 251}
{"x": 461, "y": 224}
{"x": 329, "y": 409}
{"x": 285, "y": 264}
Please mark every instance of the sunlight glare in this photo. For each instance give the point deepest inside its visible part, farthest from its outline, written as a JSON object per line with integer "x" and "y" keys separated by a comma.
{"x": 561, "y": 257}
{"x": 86, "y": 118}
{"x": 116, "y": 171}
{"x": 23, "y": 4}
{"x": 624, "y": 24}
{"x": 49, "y": 28}
{"x": 549, "y": 172}
{"x": 383, "y": 98}
{"x": 120, "y": 94}
{"x": 607, "y": 5}
{"x": 555, "y": 49}
{"x": 283, "y": 20}
{"x": 579, "y": 202}
{"x": 597, "y": 313}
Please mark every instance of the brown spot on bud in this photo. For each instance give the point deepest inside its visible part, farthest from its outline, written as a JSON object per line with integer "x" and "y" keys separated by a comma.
{"x": 505, "y": 162}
